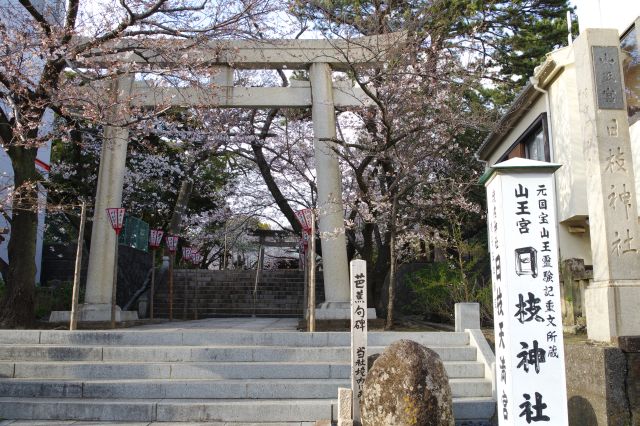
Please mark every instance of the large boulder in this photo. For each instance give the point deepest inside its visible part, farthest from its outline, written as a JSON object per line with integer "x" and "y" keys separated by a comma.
{"x": 407, "y": 385}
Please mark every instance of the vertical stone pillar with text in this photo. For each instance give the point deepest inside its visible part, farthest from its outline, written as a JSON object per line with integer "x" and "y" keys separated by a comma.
{"x": 523, "y": 241}
{"x": 612, "y": 299}
{"x": 358, "y": 332}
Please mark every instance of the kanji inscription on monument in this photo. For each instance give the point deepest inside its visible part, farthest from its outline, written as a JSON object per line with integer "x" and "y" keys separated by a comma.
{"x": 358, "y": 331}
{"x": 608, "y": 79}
{"x": 526, "y": 296}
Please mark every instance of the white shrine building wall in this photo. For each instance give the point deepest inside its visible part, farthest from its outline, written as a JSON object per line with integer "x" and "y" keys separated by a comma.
{"x": 557, "y": 77}
{"x": 574, "y": 113}
{"x": 564, "y": 141}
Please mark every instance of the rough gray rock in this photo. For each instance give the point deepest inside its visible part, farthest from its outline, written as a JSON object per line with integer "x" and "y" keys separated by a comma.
{"x": 407, "y": 385}
{"x": 370, "y": 360}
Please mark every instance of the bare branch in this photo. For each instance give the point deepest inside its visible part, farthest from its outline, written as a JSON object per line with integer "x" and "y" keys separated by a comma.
{"x": 6, "y": 129}
{"x": 130, "y": 13}
{"x": 5, "y": 215}
{"x": 184, "y": 8}
{"x": 70, "y": 21}
{"x": 37, "y": 16}
{"x": 120, "y": 28}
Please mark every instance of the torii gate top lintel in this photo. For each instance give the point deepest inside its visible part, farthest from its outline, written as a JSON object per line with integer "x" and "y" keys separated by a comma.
{"x": 255, "y": 54}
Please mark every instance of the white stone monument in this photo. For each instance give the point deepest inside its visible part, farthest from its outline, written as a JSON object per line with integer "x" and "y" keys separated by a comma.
{"x": 612, "y": 299}
{"x": 530, "y": 368}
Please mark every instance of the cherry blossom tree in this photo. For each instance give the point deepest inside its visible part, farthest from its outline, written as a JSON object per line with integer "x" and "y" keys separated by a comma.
{"x": 410, "y": 171}
{"x": 46, "y": 60}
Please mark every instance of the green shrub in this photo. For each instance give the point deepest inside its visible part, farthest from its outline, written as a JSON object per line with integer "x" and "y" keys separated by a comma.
{"x": 55, "y": 299}
{"x": 440, "y": 285}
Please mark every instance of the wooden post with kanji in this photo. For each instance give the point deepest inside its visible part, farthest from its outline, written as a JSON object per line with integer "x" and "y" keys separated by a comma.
{"x": 358, "y": 332}
{"x": 523, "y": 240}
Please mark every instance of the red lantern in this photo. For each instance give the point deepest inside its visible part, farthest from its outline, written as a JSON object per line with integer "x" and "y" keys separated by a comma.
{"x": 187, "y": 253}
{"x": 304, "y": 217}
{"x": 172, "y": 243}
{"x": 155, "y": 238}
{"x": 196, "y": 257}
{"x": 116, "y": 217}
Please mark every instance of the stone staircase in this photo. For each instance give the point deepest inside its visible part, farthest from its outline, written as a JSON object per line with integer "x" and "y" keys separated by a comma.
{"x": 208, "y": 294}
{"x": 221, "y": 377}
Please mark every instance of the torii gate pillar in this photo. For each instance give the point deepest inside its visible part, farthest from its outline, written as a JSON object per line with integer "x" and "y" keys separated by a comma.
{"x": 97, "y": 304}
{"x": 330, "y": 209}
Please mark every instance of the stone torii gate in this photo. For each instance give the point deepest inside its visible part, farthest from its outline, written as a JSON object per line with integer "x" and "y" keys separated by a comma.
{"x": 319, "y": 57}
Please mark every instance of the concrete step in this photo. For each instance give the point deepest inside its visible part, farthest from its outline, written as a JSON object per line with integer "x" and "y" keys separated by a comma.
{"x": 202, "y": 353}
{"x": 477, "y": 410}
{"x": 219, "y": 338}
{"x": 222, "y": 292}
{"x": 191, "y": 375}
{"x": 167, "y": 410}
{"x": 201, "y": 370}
{"x": 233, "y": 294}
{"x": 261, "y": 302}
{"x": 283, "y": 282}
{"x": 175, "y": 389}
{"x": 216, "y": 288}
{"x": 213, "y": 311}
{"x": 243, "y": 313}
{"x": 203, "y": 388}
{"x": 237, "y": 313}
{"x": 201, "y": 410}
{"x": 262, "y": 298}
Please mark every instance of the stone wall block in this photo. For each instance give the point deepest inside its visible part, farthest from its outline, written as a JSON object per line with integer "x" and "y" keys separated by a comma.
{"x": 596, "y": 389}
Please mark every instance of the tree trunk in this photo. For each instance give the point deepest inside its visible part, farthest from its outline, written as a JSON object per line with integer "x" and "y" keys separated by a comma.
{"x": 381, "y": 269}
{"x": 19, "y": 300}
{"x": 4, "y": 270}
{"x": 181, "y": 206}
{"x": 458, "y": 242}
{"x": 278, "y": 196}
{"x": 367, "y": 255}
{"x": 392, "y": 266}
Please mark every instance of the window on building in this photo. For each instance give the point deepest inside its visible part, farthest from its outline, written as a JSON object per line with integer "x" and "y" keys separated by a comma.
{"x": 533, "y": 143}
{"x": 534, "y": 146}
{"x": 631, "y": 71}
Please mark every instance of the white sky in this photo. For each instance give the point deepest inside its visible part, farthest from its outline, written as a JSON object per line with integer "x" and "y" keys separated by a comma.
{"x": 619, "y": 14}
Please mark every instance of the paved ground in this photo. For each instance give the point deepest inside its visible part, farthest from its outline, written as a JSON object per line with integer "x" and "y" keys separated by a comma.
{"x": 84, "y": 423}
{"x": 233, "y": 324}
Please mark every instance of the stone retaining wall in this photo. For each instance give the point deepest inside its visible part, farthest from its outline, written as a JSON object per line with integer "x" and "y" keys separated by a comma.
{"x": 630, "y": 346}
{"x": 603, "y": 383}
{"x": 58, "y": 265}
